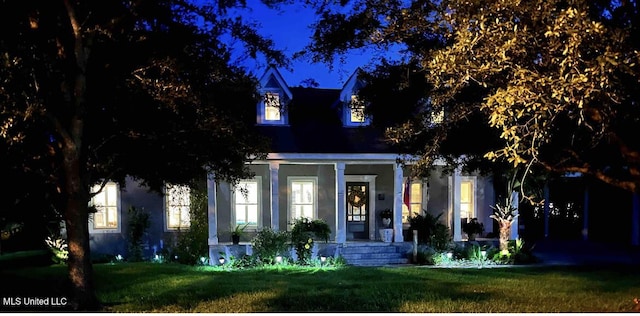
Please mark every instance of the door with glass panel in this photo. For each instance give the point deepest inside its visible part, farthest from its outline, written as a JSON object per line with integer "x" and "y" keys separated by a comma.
{"x": 357, "y": 210}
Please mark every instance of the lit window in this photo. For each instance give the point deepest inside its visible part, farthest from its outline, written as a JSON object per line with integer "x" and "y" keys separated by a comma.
{"x": 106, "y": 204}
{"x": 303, "y": 198}
{"x": 247, "y": 203}
{"x": 415, "y": 201}
{"x": 178, "y": 204}
{"x": 467, "y": 209}
{"x": 357, "y": 110}
{"x": 272, "y": 106}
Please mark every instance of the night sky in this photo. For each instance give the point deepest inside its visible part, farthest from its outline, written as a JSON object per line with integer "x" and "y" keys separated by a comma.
{"x": 289, "y": 28}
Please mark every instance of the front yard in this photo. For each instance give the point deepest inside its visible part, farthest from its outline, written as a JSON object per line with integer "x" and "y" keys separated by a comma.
{"x": 174, "y": 288}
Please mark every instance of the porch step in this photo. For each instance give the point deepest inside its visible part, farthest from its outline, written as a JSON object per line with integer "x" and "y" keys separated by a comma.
{"x": 375, "y": 253}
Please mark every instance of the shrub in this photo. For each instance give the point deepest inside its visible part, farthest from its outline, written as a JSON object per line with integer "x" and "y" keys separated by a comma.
{"x": 138, "y": 225}
{"x": 268, "y": 244}
{"x": 441, "y": 239}
{"x": 192, "y": 244}
{"x": 424, "y": 256}
{"x": 303, "y": 233}
{"x": 426, "y": 225}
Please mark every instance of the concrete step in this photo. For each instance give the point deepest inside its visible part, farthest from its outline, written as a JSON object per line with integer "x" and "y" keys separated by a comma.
{"x": 378, "y": 262}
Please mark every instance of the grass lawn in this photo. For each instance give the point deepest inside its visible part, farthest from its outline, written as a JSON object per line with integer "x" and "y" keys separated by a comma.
{"x": 149, "y": 287}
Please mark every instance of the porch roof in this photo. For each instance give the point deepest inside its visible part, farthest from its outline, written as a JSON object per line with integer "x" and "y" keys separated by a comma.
{"x": 348, "y": 158}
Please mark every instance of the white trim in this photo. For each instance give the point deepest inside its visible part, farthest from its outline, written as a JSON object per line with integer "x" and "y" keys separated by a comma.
{"x": 341, "y": 203}
{"x": 347, "y": 113}
{"x": 330, "y": 158}
{"x": 272, "y": 71}
{"x": 284, "y": 111}
{"x": 118, "y": 228}
{"x": 259, "y": 224}
{"x": 474, "y": 192}
{"x": 291, "y": 179}
{"x": 212, "y": 211}
{"x": 349, "y": 86}
{"x": 424, "y": 200}
{"x": 166, "y": 212}
{"x": 371, "y": 180}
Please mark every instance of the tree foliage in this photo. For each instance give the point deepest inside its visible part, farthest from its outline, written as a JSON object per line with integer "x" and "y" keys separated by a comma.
{"x": 557, "y": 79}
{"x": 93, "y": 91}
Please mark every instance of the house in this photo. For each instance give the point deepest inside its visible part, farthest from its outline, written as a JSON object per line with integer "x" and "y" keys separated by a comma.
{"x": 327, "y": 161}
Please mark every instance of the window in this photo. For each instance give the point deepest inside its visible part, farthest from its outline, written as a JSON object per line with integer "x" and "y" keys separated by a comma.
{"x": 272, "y": 106}
{"x": 356, "y": 110}
{"x": 246, "y": 197}
{"x": 303, "y": 199}
{"x": 467, "y": 207}
{"x": 177, "y": 206}
{"x": 414, "y": 198}
{"x": 106, "y": 217}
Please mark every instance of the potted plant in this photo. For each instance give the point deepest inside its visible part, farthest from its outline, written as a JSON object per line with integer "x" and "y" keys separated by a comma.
{"x": 237, "y": 233}
{"x": 473, "y": 228}
{"x": 386, "y": 216}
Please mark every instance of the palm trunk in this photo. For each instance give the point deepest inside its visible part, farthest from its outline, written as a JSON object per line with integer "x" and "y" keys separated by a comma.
{"x": 505, "y": 234}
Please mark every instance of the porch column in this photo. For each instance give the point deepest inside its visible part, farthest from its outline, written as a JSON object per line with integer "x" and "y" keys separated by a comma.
{"x": 341, "y": 203}
{"x": 212, "y": 217}
{"x": 397, "y": 203}
{"x": 635, "y": 219}
{"x": 515, "y": 200}
{"x": 274, "y": 169}
{"x": 455, "y": 193}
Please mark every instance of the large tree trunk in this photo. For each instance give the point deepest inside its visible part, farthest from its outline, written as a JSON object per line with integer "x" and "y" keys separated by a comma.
{"x": 76, "y": 218}
{"x": 76, "y": 186}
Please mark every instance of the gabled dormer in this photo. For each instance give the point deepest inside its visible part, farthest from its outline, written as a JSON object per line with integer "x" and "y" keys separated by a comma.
{"x": 275, "y": 96}
{"x": 353, "y": 110}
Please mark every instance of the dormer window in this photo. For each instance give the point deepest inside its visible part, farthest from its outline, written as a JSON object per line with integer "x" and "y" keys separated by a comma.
{"x": 357, "y": 110}
{"x": 355, "y": 113}
{"x": 272, "y": 106}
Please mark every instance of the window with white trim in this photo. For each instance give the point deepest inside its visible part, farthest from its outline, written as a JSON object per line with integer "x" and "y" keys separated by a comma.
{"x": 272, "y": 106}
{"x": 467, "y": 198}
{"x": 177, "y": 207}
{"x": 303, "y": 197}
{"x": 356, "y": 110}
{"x": 107, "y": 205}
{"x": 246, "y": 203}
{"x": 415, "y": 200}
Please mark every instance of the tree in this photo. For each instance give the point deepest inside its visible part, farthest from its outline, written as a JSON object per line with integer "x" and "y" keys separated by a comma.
{"x": 100, "y": 90}
{"x": 557, "y": 79}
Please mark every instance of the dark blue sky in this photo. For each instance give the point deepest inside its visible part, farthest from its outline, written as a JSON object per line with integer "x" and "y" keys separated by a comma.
{"x": 289, "y": 28}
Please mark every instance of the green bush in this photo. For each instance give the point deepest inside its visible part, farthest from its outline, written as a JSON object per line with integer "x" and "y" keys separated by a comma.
{"x": 191, "y": 244}
{"x": 268, "y": 244}
{"x": 427, "y": 226}
{"x": 138, "y": 224}
{"x": 302, "y": 236}
{"x": 425, "y": 256}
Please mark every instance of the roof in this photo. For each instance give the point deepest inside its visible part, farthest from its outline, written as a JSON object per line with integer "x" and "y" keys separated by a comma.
{"x": 315, "y": 127}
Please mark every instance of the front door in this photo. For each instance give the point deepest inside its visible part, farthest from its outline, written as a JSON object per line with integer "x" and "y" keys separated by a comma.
{"x": 357, "y": 210}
